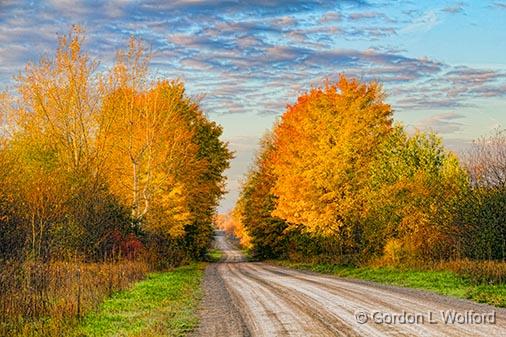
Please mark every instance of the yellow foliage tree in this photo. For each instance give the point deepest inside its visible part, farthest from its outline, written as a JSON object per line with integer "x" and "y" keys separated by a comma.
{"x": 58, "y": 102}
{"x": 94, "y": 146}
{"x": 322, "y": 150}
{"x": 152, "y": 160}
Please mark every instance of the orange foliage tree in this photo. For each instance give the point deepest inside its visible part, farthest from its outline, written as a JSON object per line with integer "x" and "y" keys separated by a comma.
{"x": 323, "y": 148}
{"x": 263, "y": 231}
{"x": 339, "y": 181}
{"x": 105, "y": 157}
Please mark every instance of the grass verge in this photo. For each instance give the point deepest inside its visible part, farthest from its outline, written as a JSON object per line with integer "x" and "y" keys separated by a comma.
{"x": 214, "y": 255}
{"x": 164, "y": 304}
{"x": 440, "y": 281}
{"x": 45, "y": 299}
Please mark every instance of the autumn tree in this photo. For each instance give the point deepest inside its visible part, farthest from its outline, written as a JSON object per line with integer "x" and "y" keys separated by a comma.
{"x": 339, "y": 183}
{"x": 53, "y": 125}
{"x": 106, "y": 156}
{"x": 174, "y": 156}
{"x": 256, "y": 203}
{"x": 10, "y": 235}
{"x": 324, "y": 145}
{"x": 210, "y": 182}
{"x": 144, "y": 139}
{"x": 240, "y": 230}
{"x": 225, "y": 222}
{"x": 415, "y": 188}
{"x": 152, "y": 156}
{"x": 58, "y": 102}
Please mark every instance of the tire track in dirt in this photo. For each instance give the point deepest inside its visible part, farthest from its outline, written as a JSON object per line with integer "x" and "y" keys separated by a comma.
{"x": 266, "y": 311}
{"x": 218, "y": 311}
{"x": 272, "y": 301}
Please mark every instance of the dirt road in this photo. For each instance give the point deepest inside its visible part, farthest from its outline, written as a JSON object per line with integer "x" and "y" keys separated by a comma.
{"x": 258, "y": 299}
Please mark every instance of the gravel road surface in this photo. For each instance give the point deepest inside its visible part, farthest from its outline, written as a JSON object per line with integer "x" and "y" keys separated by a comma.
{"x": 257, "y": 299}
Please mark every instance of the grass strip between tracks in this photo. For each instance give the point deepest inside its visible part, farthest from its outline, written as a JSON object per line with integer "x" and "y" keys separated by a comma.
{"x": 214, "y": 255}
{"x": 164, "y": 304}
{"x": 442, "y": 282}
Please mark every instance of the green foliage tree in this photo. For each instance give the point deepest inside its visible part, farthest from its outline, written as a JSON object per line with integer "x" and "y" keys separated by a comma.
{"x": 482, "y": 215}
{"x": 211, "y": 182}
{"x": 414, "y": 188}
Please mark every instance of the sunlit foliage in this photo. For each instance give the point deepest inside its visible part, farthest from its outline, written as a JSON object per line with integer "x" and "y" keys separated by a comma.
{"x": 323, "y": 147}
{"x": 338, "y": 182}
{"x": 256, "y": 203}
{"x": 91, "y": 157}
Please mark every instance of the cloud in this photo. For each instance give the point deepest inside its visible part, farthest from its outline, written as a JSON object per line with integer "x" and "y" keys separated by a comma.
{"x": 254, "y": 57}
{"x": 261, "y": 7}
{"x": 468, "y": 76}
{"x": 427, "y": 102}
{"x": 465, "y": 81}
{"x": 443, "y": 123}
{"x": 500, "y": 5}
{"x": 490, "y": 91}
{"x": 331, "y": 17}
{"x": 424, "y": 23}
{"x": 460, "y": 146}
{"x": 369, "y": 15}
{"x": 268, "y": 51}
{"x": 455, "y": 8}
{"x": 81, "y": 8}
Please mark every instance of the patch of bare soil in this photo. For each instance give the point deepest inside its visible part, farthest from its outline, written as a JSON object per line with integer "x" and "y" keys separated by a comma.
{"x": 219, "y": 317}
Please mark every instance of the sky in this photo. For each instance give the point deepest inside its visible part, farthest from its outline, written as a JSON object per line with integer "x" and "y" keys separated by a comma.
{"x": 442, "y": 63}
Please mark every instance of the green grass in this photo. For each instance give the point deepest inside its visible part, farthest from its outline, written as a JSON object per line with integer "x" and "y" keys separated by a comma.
{"x": 442, "y": 282}
{"x": 164, "y": 304}
{"x": 248, "y": 254}
{"x": 214, "y": 255}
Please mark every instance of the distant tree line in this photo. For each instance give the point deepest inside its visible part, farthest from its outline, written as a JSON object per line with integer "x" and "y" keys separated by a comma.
{"x": 337, "y": 180}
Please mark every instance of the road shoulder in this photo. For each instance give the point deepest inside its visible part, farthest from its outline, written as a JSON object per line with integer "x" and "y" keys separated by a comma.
{"x": 443, "y": 284}
{"x": 217, "y": 312}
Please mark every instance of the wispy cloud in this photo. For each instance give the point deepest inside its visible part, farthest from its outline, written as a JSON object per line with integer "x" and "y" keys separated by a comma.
{"x": 443, "y": 123}
{"x": 424, "y": 23}
{"x": 266, "y": 50}
{"x": 254, "y": 57}
{"x": 500, "y": 5}
{"x": 456, "y": 8}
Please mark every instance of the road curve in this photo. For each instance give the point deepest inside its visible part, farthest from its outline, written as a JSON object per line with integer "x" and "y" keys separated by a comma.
{"x": 273, "y": 301}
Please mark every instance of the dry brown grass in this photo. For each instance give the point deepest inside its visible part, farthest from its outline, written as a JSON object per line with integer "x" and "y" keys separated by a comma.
{"x": 41, "y": 299}
{"x": 478, "y": 272}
